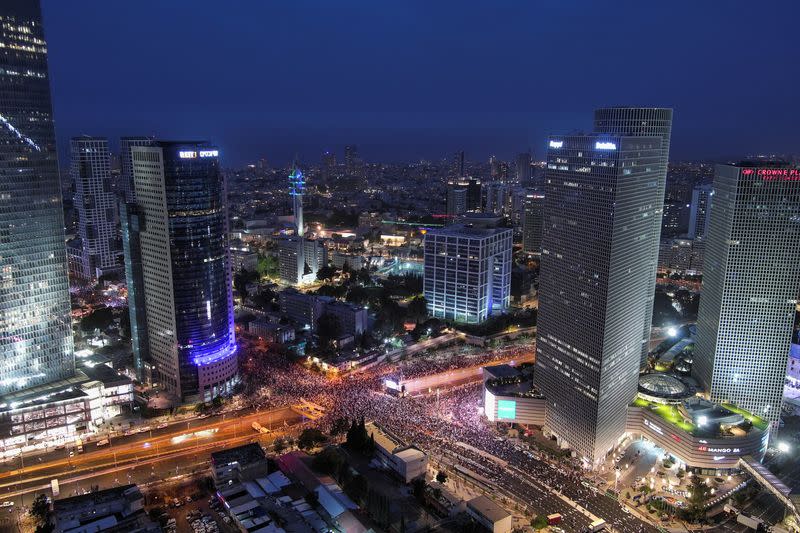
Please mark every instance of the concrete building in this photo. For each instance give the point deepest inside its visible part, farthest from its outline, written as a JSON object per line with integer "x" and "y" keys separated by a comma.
{"x": 302, "y": 309}
{"x": 524, "y": 168}
{"x": 643, "y": 121}
{"x": 243, "y": 257}
{"x": 35, "y": 320}
{"x": 96, "y": 205}
{"x": 750, "y": 286}
{"x": 270, "y": 332}
{"x": 353, "y": 319}
{"x": 456, "y": 198}
{"x": 467, "y": 272}
{"x": 186, "y": 274}
{"x": 407, "y": 462}
{"x": 126, "y": 145}
{"x": 116, "y": 509}
{"x": 681, "y": 256}
{"x": 601, "y": 198}
{"x": 510, "y": 396}
{"x": 490, "y": 515}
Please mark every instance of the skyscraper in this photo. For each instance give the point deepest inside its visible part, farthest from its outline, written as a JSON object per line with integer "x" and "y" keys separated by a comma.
{"x": 532, "y": 220}
{"x": 600, "y": 202}
{"x": 456, "y": 198}
{"x": 467, "y": 272}
{"x": 299, "y": 258}
{"x": 185, "y": 266}
{"x": 523, "y": 167}
{"x": 96, "y": 205}
{"x": 126, "y": 145}
{"x": 700, "y": 209}
{"x": 35, "y": 331}
{"x": 750, "y": 285}
{"x": 644, "y": 121}
{"x": 351, "y": 159}
{"x": 458, "y": 170}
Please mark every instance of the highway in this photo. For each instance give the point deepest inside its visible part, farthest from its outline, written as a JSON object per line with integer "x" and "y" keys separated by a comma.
{"x": 155, "y": 453}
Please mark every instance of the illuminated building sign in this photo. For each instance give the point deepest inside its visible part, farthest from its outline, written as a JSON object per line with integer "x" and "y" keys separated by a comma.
{"x": 556, "y": 144}
{"x": 209, "y": 153}
{"x": 774, "y": 174}
{"x": 390, "y": 384}
{"x": 605, "y": 146}
{"x": 187, "y": 154}
{"x": 653, "y": 427}
{"x": 709, "y": 449}
{"x": 506, "y": 409}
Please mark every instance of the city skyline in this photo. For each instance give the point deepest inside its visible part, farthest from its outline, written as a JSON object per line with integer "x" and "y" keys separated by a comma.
{"x": 396, "y": 105}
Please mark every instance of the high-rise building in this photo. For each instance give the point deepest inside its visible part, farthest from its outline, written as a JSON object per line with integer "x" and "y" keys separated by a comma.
{"x": 497, "y": 198}
{"x": 532, "y": 220}
{"x": 473, "y": 195}
{"x": 600, "y": 201}
{"x": 96, "y": 205}
{"x": 467, "y": 272}
{"x": 126, "y": 144}
{"x": 351, "y": 161}
{"x": 328, "y": 163}
{"x": 299, "y": 258}
{"x": 674, "y": 219}
{"x": 456, "y": 198}
{"x": 185, "y": 268}
{"x": 523, "y": 169}
{"x": 35, "y": 331}
{"x": 458, "y": 170}
{"x": 644, "y": 121}
{"x": 750, "y": 286}
{"x": 700, "y": 208}
{"x": 131, "y": 223}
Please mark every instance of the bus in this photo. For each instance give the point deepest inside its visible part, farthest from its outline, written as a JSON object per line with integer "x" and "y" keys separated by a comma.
{"x": 597, "y": 525}
{"x": 553, "y": 519}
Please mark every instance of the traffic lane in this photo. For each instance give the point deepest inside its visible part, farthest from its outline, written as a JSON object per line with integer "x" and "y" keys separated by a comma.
{"x": 142, "y": 444}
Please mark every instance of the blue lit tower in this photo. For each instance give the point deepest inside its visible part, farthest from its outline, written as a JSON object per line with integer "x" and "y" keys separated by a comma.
{"x": 185, "y": 269}
{"x": 297, "y": 187}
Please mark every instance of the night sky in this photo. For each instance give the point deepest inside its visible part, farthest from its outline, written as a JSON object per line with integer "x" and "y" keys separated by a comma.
{"x": 419, "y": 79}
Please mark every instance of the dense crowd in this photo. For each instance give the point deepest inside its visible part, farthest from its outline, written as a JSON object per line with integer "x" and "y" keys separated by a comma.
{"x": 448, "y": 426}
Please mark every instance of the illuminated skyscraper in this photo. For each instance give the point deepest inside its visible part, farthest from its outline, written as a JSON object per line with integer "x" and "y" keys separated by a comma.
{"x": 700, "y": 209}
{"x": 532, "y": 219}
{"x": 96, "y": 205}
{"x": 185, "y": 268}
{"x": 643, "y": 121}
{"x": 299, "y": 258}
{"x": 523, "y": 169}
{"x": 35, "y": 331}
{"x": 751, "y": 276}
{"x": 351, "y": 161}
{"x": 600, "y": 201}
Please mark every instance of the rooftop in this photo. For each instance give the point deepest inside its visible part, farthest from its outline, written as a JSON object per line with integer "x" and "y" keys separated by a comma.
{"x": 464, "y": 230}
{"x": 486, "y": 507}
{"x": 244, "y": 455}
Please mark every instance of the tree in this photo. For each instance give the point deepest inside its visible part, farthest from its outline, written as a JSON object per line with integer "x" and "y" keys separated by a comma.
{"x": 309, "y": 438}
{"x": 698, "y": 495}
{"x": 364, "y": 277}
{"x": 339, "y": 426}
{"x": 357, "y": 488}
{"x": 267, "y": 266}
{"x": 418, "y": 309}
{"x": 441, "y": 477}
{"x": 279, "y": 445}
{"x": 326, "y": 273}
{"x": 540, "y": 522}
{"x": 99, "y": 319}
{"x": 40, "y": 512}
{"x": 329, "y": 460}
{"x": 418, "y": 487}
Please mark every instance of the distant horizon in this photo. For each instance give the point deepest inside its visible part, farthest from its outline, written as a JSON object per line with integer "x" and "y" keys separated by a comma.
{"x": 403, "y": 83}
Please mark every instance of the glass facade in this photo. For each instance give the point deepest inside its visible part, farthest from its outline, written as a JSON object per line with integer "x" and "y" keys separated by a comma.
{"x": 35, "y": 331}
{"x": 186, "y": 278}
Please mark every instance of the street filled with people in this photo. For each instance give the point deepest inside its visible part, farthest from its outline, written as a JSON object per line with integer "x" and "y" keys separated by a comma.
{"x": 450, "y": 427}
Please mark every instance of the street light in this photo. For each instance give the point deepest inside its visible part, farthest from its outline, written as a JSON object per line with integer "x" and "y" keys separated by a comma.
{"x": 783, "y": 447}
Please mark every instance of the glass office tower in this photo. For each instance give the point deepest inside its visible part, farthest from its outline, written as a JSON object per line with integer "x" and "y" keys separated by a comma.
{"x": 35, "y": 332}
{"x": 751, "y": 276}
{"x": 185, "y": 268}
{"x": 601, "y": 196}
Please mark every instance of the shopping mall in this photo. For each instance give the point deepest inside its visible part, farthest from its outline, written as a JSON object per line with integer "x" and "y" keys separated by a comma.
{"x": 667, "y": 411}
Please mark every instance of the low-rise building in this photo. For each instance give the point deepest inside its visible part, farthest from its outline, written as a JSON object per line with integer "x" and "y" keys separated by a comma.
{"x": 490, "y": 515}
{"x": 271, "y": 332}
{"x": 243, "y": 463}
{"x": 406, "y": 461}
{"x": 352, "y": 318}
{"x": 509, "y": 396}
{"x": 116, "y": 509}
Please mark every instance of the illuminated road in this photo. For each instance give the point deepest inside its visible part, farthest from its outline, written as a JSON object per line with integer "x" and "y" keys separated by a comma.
{"x": 459, "y": 376}
{"x": 159, "y": 453}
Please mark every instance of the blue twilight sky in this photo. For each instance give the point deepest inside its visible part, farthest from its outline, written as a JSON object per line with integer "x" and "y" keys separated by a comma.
{"x": 410, "y": 79}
